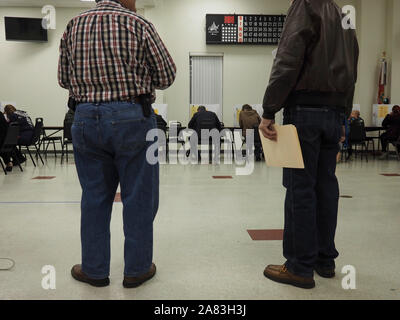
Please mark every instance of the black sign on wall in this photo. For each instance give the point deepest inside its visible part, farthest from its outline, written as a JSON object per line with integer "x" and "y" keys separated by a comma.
{"x": 244, "y": 29}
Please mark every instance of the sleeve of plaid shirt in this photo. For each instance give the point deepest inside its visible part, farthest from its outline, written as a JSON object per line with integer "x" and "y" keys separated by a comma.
{"x": 158, "y": 58}
{"x": 63, "y": 66}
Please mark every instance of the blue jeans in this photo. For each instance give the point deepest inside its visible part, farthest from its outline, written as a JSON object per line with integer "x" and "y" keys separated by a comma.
{"x": 110, "y": 148}
{"x": 311, "y": 205}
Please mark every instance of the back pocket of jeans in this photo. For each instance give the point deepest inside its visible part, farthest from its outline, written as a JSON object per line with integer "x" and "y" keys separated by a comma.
{"x": 130, "y": 134}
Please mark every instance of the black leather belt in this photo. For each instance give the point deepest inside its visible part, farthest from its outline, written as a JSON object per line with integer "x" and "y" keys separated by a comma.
{"x": 144, "y": 100}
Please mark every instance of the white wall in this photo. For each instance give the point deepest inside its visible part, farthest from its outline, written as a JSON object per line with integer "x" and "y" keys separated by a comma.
{"x": 378, "y": 30}
{"x": 389, "y": 40}
{"x": 29, "y": 70}
{"x": 373, "y": 25}
{"x": 395, "y": 59}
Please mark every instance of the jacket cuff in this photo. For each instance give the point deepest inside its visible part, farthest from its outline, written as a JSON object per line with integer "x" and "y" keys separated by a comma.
{"x": 269, "y": 115}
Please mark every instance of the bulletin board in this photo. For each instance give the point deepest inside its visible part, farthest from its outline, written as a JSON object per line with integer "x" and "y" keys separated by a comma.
{"x": 244, "y": 29}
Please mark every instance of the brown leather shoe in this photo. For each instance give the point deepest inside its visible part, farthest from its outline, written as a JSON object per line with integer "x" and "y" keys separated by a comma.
{"x": 134, "y": 282}
{"x": 282, "y": 275}
{"x": 78, "y": 275}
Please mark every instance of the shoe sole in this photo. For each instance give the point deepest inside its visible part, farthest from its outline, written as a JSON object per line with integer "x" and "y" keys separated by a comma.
{"x": 95, "y": 283}
{"x": 291, "y": 282}
{"x": 136, "y": 284}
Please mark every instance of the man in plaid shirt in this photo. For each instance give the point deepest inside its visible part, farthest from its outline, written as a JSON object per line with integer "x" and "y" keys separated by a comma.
{"x": 111, "y": 61}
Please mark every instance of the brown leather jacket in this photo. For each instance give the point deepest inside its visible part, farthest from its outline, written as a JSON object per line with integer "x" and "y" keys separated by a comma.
{"x": 248, "y": 119}
{"x": 316, "y": 62}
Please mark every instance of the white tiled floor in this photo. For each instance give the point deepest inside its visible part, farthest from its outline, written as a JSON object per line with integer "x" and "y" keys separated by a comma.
{"x": 202, "y": 249}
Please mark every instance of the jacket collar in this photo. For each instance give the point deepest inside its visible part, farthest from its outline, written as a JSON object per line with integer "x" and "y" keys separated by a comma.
{"x": 109, "y": 3}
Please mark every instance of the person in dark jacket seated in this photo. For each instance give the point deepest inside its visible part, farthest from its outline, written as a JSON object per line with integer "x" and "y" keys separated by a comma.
{"x": 203, "y": 115}
{"x": 355, "y": 116}
{"x": 3, "y": 133}
{"x": 204, "y": 120}
{"x": 26, "y": 128}
{"x": 392, "y": 125}
{"x": 12, "y": 116}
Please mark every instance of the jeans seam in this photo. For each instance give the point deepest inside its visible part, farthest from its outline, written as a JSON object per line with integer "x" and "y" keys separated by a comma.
{"x": 292, "y": 225}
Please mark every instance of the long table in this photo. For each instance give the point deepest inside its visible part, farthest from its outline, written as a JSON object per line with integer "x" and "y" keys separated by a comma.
{"x": 56, "y": 130}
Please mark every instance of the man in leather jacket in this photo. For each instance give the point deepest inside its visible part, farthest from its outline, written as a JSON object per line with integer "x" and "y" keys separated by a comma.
{"x": 313, "y": 79}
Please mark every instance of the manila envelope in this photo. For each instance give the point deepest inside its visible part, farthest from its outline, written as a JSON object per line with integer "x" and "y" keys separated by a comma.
{"x": 286, "y": 151}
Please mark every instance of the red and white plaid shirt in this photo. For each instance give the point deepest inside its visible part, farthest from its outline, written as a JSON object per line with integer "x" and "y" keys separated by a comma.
{"x": 109, "y": 53}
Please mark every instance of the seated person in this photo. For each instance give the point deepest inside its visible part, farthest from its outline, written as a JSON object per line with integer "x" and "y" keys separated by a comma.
{"x": 26, "y": 128}
{"x": 392, "y": 125}
{"x": 7, "y": 156}
{"x": 203, "y": 115}
{"x": 3, "y": 133}
{"x": 248, "y": 118}
{"x": 355, "y": 115}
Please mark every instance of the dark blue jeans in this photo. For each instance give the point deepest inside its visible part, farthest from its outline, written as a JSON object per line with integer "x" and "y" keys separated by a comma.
{"x": 110, "y": 149}
{"x": 311, "y": 204}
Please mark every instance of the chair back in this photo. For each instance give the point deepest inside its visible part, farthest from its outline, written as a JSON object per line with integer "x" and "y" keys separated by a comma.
{"x": 37, "y": 131}
{"x": 11, "y": 139}
{"x": 67, "y": 130}
{"x": 207, "y": 124}
{"x": 357, "y": 131}
{"x": 174, "y": 126}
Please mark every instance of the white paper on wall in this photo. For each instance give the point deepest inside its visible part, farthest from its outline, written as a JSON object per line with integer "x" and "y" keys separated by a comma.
{"x": 162, "y": 110}
{"x": 379, "y": 112}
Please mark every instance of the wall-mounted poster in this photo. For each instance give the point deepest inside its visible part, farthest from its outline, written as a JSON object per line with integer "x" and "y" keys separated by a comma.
{"x": 162, "y": 110}
{"x": 216, "y": 108}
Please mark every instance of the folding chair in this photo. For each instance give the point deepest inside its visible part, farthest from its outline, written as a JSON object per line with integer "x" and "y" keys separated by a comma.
{"x": 35, "y": 142}
{"x": 9, "y": 145}
{"x": 67, "y": 139}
